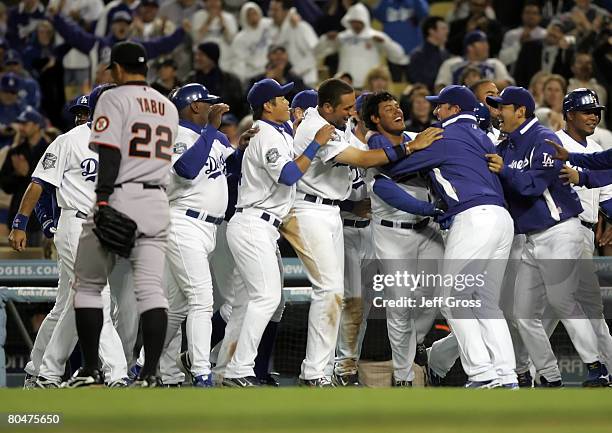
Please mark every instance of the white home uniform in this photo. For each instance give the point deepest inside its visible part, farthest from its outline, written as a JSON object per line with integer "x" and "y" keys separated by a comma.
{"x": 252, "y": 235}
{"x": 359, "y": 270}
{"x": 314, "y": 229}
{"x": 406, "y": 243}
{"x": 197, "y": 207}
{"x": 72, "y": 167}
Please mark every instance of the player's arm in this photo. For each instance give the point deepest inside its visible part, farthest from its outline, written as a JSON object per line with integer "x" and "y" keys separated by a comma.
{"x": 45, "y": 209}
{"x": 17, "y": 237}
{"x": 72, "y": 33}
{"x": 292, "y": 171}
{"x": 163, "y": 44}
{"x": 393, "y": 195}
{"x": 378, "y": 157}
{"x": 594, "y": 161}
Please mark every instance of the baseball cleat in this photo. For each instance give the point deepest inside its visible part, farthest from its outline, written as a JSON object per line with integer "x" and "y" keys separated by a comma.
{"x": 183, "y": 362}
{"x": 597, "y": 375}
{"x": 29, "y": 382}
{"x": 485, "y": 384}
{"x": 124, "y": 382}
{"x": 83, "y": 378}
{"x": 321, "y": 382}
{"x": 421, "y": 355}
{"x": 545, "y": 383}
{"x": 345, "y": 380}
{"x": 134, "y": 372}
{"x": 147, "y": 382}
{"x": 401, "y": 383}
{"x": 512, "y": 386}
{"x": 240, "y": 382}
{"x": 525, "y": 380}
{"x": 269, "y": 379}
{"x": 43, "y": 382}
{"x": 203, "y": 381}
{"x": 172, "y": 385}
{"x": 433, "y": 379}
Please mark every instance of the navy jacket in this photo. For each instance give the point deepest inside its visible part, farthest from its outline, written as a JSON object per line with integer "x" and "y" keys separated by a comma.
{"x": 536, "y": 196}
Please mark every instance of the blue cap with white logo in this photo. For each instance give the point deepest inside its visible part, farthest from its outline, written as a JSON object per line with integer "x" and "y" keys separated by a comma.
{"x": 305, "y": 99}
{"x": 79, "y": 103}
{"x": 266, "y": 90}
{"x": 31, "y": 115}
{"x": 455, "y": 95}
{"x": 513, "y": 95}
{"x": 10, "y": 83}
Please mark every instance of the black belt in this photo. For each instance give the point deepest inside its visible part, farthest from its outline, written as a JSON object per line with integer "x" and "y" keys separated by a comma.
{"x": 209, "y": 219}
{"x": 409, "y": 226}
{"x": 81, "y": 215}
{"x": 356, "y": 224}
{"x": 590, "y": 226}
{"x": 266, "y": 217}
{"x": 144, "y": 185}
{"x": 313, "y": 199}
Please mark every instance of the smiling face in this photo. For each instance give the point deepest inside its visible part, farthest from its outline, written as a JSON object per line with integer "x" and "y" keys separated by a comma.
{"x": 340, "y": 114}
{"x": 583, "y": 122}
{"x": 510, "y": 118}
{"x": 390, "y": 117}
{"x": 277, "y": 109}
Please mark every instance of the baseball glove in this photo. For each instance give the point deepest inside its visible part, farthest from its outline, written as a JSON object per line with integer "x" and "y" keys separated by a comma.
{"x": 115, "y": 230}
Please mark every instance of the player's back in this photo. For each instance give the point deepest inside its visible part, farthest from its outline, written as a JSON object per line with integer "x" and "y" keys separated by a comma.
{"x": 143, "y": 124}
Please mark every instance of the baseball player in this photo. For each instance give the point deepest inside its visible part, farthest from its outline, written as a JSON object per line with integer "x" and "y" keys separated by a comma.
{"x": 402, "y": 241}
{"x": 314, "y": 226}
{"x": 546, "y": 211}
{"x": 80, "y": 109}
{"x": 68, "y": 169}
{"x": 359, "y": 266}
{"x": 134, "y": 129}
{"x": 475, "y": 204}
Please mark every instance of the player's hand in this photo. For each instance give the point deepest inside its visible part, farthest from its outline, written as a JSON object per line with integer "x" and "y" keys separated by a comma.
{"x": 424, "y": 139}
{"x": 496, "y": 163}
{"x": 245, "y": 137}
{"x": 325, "y": 134}
{"x": 362, "y": 208}
{"x": 17, "y": 239}
{"x": 606, "y": 238}
{"x": 560, "y": 152}
{"x": 48, "y": 228}
{"x": 215, "y": 114}
{"x": 569, "y": 175}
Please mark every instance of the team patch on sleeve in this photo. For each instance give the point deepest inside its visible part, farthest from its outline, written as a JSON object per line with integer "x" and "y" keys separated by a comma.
{"x": 101, "y": 124}
{"x": 179, "y": 148}
{"x": 49, "y": 161}
{"x": 272, "y": 156}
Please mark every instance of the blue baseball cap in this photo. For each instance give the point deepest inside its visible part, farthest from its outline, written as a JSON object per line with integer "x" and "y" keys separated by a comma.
{"x": 12, "y": 57}
{"x": 124, "y": 16}
{"x": 31, "y": 115}
{"x": 513, "y": 95}
{"x": 474, "y": 36}
{"x": 305, "y": 99}
{"x": 455, "y": 95}
{"x": 79, "y": 103}
{"x": 360, "y": 100}
{"x": 10, "y": 83}
{"x": 265, "y": 90}
{"x": 3, "y": 43}
{"x": 229, "y": 119}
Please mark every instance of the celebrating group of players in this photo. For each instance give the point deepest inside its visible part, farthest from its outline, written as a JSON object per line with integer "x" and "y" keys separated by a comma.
{"x": 145, "y": 187}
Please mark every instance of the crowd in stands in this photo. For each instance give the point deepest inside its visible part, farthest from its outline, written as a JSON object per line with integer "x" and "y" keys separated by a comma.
{"x": 52, "y": 53}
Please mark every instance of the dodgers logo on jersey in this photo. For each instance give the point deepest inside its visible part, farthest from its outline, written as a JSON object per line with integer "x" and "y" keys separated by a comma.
{"x": 49, "y": 161}
{"x": 90, "y": 169}
{"x": 547, "y": 160}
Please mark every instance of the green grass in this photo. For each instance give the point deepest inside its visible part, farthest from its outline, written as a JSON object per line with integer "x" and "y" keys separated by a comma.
{"x": 317, "y": 411}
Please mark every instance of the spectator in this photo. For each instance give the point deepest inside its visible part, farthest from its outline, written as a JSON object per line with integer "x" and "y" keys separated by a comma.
{"x": 77, "y": 67}
{"x": 329, "y": 22}
{"x": 476, "y": 54}
{"x": 400, "y": 19}
{"x": 476, "y": 20}
{"x": 3, "y": 48}
{"x": 177, "y": 11}
{"x": 359, "y": 46}
{"x": 470, "y": 75}
{"x": 104, "y": 24}
{"x": 215, "y": 25}
{"x": 550, "y": 114}
{"x": 166, "y": 77}
{"x": 378, "y": 80}
{"x": 3, "y": 20}
{"x": 44, "y": 61}
{"x": 229, "y": 126}
{"x": 250, "y": 46}
{"x": 29, "y": 91}
{"x": 419, "y": 113}
{"x": 426, "y": 59}
{"x": 536, "y": 86}
{"x": 582, "y": 69}
{"x": 147, "y": 24}
{"x": 22, "y": 21}
{"x": 29, "y": 147}
{"x": 10, "y": 106}
{"x": 280, "y": 69}
{"x": 529, "y": 31}
{"x": 225, "y": 84}
{"x": 461, "y": 10}
{"x": 584, "y": 21}
{"x": 297, "y": 36}
{"x": 120, "y": 27}
{"x": 346, "y": 77}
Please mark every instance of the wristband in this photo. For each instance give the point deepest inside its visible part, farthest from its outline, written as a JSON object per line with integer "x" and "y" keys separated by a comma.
{"x": 102, "y": 203}
{"x": 396, "y": 152}
{"x": 311, "y": 150}
{"x": 20, "y": 222}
